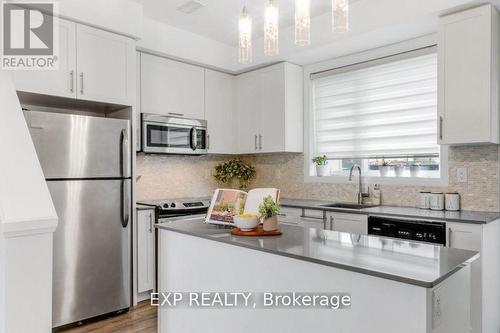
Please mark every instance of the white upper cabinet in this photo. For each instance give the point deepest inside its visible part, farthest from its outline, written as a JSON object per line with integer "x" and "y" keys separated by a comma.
{"x": 273, "y": 110}
{"x": 270, "y": 110}
{"x": 94, "y": 65}
{"x": 468, "y": 89}
{"x": 219, "y": 111}
{"x": 248, "y": 112}
{"x": 171, "y": 87}
{"x": 60, "y": 82}
{"x": 106, "y": 66}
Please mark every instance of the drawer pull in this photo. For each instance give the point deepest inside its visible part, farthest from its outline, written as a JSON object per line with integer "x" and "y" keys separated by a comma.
{"x": 311, "y": 217}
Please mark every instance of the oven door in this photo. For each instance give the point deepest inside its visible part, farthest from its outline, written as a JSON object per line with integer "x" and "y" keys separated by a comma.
{"x": 168, "y": 135}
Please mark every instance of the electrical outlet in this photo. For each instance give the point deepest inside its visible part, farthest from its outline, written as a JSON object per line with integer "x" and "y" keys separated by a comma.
{"x": 461, "y": 175}
{"x": 437, "y": 312}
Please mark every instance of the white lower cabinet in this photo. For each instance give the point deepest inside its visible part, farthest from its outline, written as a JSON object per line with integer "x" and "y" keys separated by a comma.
{"x": 469, "y": 237}
{"x": 145, "y": 250}
{"x": 351, "y": 223}
{"x": 464, "y": 236}
{"x": 308, "y": 218}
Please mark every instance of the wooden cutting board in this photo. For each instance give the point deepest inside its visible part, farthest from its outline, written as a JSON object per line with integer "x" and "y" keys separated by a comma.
{"x": 257, "y": 232}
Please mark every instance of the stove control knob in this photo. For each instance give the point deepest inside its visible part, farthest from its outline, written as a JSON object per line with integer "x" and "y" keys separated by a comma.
{"x": 172, "y": 205}
{"x": 165, "y": 206}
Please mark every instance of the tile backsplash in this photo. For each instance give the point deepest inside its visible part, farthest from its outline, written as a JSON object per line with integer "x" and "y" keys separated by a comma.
{"x": 185, "y": 176}
{"x": 171, "y": 176}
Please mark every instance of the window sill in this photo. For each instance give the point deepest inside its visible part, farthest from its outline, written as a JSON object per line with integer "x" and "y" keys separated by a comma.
{"x": 415, "y": 181}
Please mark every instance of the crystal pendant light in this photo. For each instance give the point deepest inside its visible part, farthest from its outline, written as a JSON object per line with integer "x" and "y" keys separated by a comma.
{"x": 245, "y": 38}
{"x": 302, "y": 22}
{"x": 340, "y": 16}
{"x": 271, "y": 29}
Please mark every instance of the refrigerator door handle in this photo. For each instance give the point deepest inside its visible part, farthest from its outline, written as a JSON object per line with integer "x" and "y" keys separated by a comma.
{"x": 124, "y": 154}
{"x": 125, "y": 200}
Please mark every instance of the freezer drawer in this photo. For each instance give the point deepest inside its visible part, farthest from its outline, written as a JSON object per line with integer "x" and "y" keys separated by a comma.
{"x": 92, "y": 247}
{"x": 72, "y": 146}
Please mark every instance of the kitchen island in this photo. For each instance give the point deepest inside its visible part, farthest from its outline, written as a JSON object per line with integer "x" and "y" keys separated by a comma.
{"x": 393, "y": 285}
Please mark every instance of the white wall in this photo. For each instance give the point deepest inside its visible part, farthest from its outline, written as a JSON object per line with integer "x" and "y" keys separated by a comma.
{"x": 120, "y": 16}
{"x": 28, "y": 219}
{"x": 163, "y": 39}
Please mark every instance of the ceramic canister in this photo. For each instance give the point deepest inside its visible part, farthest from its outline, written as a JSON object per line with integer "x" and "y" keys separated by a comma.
{"x": 425, "y": 200}
{"x": 437, "y": 201}
{"x": 452, "y": 201}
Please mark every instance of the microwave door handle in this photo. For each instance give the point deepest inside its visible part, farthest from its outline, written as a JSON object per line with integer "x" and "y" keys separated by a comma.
{"x": 193, "y": 138}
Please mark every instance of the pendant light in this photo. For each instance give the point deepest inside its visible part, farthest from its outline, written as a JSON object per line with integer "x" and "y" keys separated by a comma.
{"x": 302, "y": 22}
{"x": 340, "y": 16}
{"x": 271, "y": 29}
{"x": 245, "y": 38}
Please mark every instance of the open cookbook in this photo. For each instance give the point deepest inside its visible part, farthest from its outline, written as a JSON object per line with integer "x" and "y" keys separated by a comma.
{"x": 226, "y": 203}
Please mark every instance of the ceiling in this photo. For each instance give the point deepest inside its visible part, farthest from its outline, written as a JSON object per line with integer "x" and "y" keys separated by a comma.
{"x": 211, "y": 36}
{"x": 218, "y": 20}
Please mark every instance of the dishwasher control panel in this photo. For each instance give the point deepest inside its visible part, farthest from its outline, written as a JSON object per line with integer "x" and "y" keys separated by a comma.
{"x": 418, "y": 230}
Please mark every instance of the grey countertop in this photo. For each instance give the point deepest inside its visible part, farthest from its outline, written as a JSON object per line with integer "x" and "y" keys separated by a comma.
{"x": 412, "y": 263}
{"x": 463, "y": 216}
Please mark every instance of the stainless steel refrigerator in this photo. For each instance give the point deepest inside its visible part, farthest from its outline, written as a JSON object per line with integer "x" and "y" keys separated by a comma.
{"x": 86, "y": 162}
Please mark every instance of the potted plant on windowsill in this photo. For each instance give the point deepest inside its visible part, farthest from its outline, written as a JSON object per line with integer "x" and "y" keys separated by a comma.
{"x": 268, "y": 214}
{"x": 384, "y": 168}
{"x": 399, "y": 169}
{"x": 414, "y": 170}
{"x": 322, "y": 167}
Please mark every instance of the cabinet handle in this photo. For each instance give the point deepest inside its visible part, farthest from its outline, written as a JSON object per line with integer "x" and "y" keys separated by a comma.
{"x": 441, "y": 127}
{"x": 176, "y": 114}
{"x": 255, "y": 142}
{"x": 72, "y": 81}
{"x": 331, "y": 222}
{"x": 260, "y": 141}
{"x": 151, "y": 222}
{"x": 450, "y": 234}
{"x": 208, "y": 141}
{"x": 81, "y": 83}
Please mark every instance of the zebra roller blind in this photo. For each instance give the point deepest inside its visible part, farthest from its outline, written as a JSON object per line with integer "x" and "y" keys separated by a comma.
{"x": 384, "y": 108}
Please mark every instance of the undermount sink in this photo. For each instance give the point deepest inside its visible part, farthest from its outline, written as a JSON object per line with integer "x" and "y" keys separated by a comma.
{"x": 347, "y": 205}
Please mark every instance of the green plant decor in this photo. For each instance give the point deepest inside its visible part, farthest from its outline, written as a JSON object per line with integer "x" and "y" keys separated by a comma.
{"x": 268, "y": 208}
{"x": 320, "y": 160}
{"x": 384, "y": 163}
{"x": 235, "y": 169}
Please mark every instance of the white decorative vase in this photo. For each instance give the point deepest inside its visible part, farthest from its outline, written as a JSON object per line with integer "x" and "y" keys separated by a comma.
{"x": 399, "y": 170}
{"x": 322, "y": 170}
{"x": 414, "y": 170}
{"x": 384, "y": 170}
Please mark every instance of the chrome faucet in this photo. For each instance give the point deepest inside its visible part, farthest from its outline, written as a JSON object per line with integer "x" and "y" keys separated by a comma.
{"x": 360, "y": 193}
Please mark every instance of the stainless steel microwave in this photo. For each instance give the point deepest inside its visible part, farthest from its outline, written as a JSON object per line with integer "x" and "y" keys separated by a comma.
{"x": 173, "y": 135}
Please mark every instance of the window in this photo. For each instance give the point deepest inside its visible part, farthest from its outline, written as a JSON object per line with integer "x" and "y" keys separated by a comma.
{"x": 377, "y": 113}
